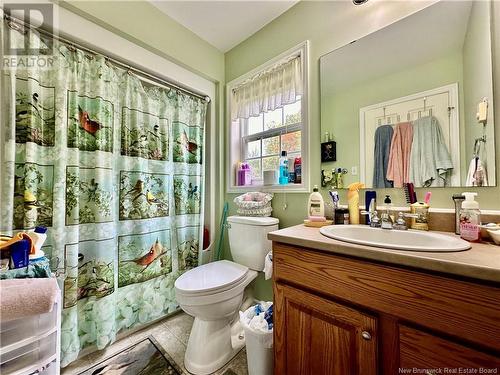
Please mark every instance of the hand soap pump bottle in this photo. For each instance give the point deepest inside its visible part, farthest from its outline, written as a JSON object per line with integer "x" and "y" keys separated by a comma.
{"x": 470, "y": 219}
{"x": 283, "y": 179}
{"x": 316, "y": 205}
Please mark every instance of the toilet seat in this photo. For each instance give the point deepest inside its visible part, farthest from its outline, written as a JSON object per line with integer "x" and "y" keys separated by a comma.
{"x": 211, "y": 278}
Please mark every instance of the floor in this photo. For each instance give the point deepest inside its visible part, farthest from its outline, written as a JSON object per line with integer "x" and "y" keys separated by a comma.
{"x": 172, "y": 334}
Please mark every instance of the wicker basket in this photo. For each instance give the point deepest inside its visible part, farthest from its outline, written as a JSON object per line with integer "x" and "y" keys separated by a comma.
{"x": 254, "y": 204}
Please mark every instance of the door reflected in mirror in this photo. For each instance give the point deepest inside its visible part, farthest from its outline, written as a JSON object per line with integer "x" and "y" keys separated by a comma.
{"x": 413, "y": 102}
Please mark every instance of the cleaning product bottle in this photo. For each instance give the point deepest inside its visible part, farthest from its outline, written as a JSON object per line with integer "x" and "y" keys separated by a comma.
{"x": 353, "y": 201}
{"x": 470, "y": 219}
{"x": 283, "y": 179}
{"x": 38, "y": 236}
{"x": 291, "y": 170}
{"x": 297, "y": 166}
{"x": 315, "y": 205}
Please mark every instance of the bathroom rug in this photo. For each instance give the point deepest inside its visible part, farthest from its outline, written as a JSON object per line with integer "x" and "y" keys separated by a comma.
{"x": 146, "y": 357}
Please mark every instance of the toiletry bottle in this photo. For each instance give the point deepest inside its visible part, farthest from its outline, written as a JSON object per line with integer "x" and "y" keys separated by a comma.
{"x": 340, "y": 178}
{"x": 240, "y": 174}
{"x": 421, "y": 222}
{"x": 315, "y": 205}
{"x": 457, "y": 200}
{"x": 370, "y": 203}
{"x": 353, "y": 201}
{"x": 470, "y": 219}
{"x": 297, "y": 166}
{"x": 283, "y": 179}
{"x": 247, "y": 174}
{"x": 291, "y": 170}
{"x": 388, "y": 206}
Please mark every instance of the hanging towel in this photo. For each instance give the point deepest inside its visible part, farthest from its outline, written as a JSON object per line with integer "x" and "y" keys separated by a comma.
{"x": 430, "y": 160}
{"x": 383, "y": 136}
{"x": 398, "y": 169}
{"x": 476, "y": 176}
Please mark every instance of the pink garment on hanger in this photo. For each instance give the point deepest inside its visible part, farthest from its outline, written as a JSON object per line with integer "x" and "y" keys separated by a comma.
{"x": 398, "y": 169}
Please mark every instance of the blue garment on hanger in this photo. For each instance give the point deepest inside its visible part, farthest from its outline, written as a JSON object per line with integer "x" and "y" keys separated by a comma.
{"x": 383, "y": 137}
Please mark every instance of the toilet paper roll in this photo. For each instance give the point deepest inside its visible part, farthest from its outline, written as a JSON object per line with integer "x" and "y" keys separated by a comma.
{"x": 269, "y": 177}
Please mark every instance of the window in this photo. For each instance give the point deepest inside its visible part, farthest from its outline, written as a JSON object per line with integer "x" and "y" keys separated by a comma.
{"x": 265, "y": 136}
{"x": 258, "y": 136}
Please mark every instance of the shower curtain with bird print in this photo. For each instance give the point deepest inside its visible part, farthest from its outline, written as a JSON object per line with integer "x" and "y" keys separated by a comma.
{"x": 112, "y": 166}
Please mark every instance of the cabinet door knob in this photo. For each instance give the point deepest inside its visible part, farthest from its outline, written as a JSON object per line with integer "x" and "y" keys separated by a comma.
{"x": 366, "y": 335}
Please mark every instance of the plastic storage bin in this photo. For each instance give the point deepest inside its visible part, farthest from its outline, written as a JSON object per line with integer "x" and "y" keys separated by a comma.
{"x": 15, "y": 331}
{"x": 20, "y": 360}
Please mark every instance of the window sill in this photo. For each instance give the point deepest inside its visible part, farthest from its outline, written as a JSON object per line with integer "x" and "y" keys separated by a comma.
{"x": 289, "y": 188}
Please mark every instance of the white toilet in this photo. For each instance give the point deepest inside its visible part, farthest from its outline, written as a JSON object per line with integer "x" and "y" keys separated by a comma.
{"x": 213, "y": 294}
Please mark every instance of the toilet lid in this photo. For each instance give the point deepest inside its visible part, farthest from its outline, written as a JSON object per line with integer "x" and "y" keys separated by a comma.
{"x": 219, "y": 275}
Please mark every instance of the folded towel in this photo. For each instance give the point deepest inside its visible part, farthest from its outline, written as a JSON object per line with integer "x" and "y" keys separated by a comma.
{"x": 20, "y": 298}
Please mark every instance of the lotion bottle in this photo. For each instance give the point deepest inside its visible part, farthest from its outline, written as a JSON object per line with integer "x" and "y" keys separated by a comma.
{"x": 470, "y": 219}
{"x": 316, "y": 205}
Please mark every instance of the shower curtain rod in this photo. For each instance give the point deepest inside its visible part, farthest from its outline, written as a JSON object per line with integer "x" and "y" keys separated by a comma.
{"x": 17, "y": 24}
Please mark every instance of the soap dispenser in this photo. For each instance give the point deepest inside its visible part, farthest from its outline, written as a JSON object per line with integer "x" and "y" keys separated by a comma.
{"x": 470, "y": 219}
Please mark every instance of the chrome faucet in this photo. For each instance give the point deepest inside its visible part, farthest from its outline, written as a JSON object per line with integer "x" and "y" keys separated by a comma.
{"x": 400, "y": 223}
{"x": 386, "y": 220}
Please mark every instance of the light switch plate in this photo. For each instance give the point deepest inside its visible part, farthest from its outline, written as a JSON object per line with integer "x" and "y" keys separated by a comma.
{"x": 482, "y": 112}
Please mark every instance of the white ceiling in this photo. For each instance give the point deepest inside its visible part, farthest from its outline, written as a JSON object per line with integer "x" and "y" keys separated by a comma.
{"x": 224, "y": 24}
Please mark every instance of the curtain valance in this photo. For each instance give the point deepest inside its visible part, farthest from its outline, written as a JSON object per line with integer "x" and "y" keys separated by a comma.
{"x": 268, "y": 90}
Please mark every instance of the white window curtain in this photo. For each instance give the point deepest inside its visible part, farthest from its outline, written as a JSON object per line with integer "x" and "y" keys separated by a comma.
{"x": 268, "y": 90}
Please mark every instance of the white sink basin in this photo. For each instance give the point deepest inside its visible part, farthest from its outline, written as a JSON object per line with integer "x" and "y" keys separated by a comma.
{"x": 411, "y": 240}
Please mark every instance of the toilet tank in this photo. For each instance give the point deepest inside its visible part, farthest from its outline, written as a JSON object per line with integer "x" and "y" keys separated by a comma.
{"x": 248, "y": 239}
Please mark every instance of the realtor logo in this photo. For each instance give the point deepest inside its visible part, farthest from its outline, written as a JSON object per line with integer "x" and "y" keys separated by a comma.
{"x": 23, "y": 45}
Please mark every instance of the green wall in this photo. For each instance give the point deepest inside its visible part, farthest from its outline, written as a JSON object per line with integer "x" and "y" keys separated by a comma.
{"x": 477, "y": 77}
{"x": 145, "y": 25}
{"x": 330, "y": 25}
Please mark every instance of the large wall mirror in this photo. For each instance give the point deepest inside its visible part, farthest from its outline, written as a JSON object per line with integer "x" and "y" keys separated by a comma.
{"x": 403, "y": 103}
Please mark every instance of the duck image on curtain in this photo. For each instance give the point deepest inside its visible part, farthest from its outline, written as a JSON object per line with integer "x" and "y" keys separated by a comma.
{"x": 112, "y": 166}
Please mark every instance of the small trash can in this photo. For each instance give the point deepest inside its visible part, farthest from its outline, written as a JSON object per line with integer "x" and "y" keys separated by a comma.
{"x": 257, "y": 321}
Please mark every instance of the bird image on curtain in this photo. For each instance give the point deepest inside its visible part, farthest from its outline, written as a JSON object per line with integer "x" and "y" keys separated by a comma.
{"x": 112, "y": 165}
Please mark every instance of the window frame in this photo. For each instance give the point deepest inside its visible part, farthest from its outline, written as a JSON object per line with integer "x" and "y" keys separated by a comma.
{"x": 236, "y": 145}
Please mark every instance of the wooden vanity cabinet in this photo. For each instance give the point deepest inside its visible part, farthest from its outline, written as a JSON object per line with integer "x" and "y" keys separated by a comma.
{"x": 340, "y": 315}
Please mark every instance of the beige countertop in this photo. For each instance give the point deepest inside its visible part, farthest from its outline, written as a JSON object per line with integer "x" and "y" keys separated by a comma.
{"x": 482, "y": 261}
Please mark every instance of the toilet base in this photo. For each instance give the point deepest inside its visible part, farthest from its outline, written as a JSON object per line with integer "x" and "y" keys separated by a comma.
{"x": 212, "y": 344}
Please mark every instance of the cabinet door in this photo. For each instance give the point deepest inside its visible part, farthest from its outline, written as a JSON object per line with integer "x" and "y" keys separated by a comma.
{"x": 431, "y": 354}
{"x": 316, "y": 336}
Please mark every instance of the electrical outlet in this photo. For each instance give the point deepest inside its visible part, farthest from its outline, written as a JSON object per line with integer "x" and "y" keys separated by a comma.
{"x": 354, "y": 171}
